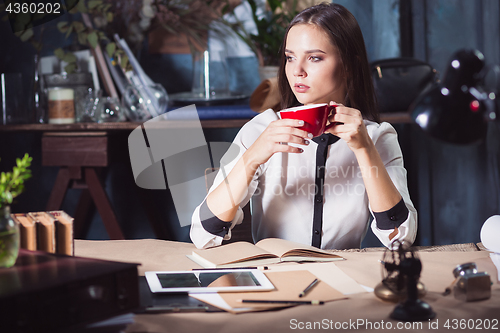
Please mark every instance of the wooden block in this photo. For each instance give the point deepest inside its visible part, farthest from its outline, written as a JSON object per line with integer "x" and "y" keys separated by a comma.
{"x": 64, "y": 232}
{"x": 27, "y": 229}
{"x": 45, "y": 231}
{"x": 75, "y": 151}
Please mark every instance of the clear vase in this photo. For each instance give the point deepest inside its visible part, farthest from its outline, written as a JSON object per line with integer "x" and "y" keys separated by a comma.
{"x": 9, "y": 238}
{"x": 210, "y": 76}
{"x": 144, "y": 102}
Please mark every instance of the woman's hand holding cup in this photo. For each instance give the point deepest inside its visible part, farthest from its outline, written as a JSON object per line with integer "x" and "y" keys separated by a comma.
{"x": 347, "y": 123}
{"x": 276, "y": 137}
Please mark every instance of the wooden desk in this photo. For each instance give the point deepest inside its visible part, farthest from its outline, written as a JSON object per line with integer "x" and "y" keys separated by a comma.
{"x": 362, "y": 265}
{"x": 79, "y": 156}
{"x": 46, "y": 292}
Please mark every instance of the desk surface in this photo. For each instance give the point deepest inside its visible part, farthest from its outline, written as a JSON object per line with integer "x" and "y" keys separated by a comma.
{"x": 364, "y": 267}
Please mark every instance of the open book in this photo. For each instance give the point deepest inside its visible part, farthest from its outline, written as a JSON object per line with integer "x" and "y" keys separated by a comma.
{"x": 265, "y": 252}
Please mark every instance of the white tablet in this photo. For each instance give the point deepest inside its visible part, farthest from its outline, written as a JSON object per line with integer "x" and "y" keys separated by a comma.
{"x": 208, "y": 281}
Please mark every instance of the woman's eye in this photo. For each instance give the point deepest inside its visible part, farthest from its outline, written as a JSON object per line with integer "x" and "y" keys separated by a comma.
{"x": 289, "y": 58}
{"x": 315, "y": 59}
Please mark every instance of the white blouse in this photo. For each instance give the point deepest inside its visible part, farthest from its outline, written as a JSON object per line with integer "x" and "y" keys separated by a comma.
{"x": 283, "y": 192}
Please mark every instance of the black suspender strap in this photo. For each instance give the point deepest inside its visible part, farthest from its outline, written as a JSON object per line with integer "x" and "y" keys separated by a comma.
{"x": 323, "y": 142}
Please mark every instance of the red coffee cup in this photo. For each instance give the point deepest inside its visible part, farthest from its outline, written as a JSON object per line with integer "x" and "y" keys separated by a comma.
{"x": 314, "y": 116}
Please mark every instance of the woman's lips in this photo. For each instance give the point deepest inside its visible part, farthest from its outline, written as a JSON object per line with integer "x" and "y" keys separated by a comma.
{"x": 301, "y": 88}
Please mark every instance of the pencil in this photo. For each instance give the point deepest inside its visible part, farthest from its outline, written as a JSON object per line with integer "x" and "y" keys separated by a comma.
{"x": 281, "y": 302}
{"x": 308, "y": 288}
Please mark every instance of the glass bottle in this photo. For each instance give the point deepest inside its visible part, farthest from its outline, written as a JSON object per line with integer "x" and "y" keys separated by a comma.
{"x": 38, "y": 97}
{"x": 89, "y": 107}
{"x": 9, "y": 238}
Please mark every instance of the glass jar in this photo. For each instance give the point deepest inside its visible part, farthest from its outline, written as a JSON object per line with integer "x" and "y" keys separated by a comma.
{"x": 9, "y": 238}
{"x": 79, "y": 82}
{"x": 144, "y": 102}
{"x": 61, "y": 106}
{"x": 110, "y": 110}
{"x": 90, "y": 106}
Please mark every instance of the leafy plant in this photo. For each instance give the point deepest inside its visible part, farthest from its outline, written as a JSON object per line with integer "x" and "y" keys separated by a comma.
{"x": 271, "y": 28}
{"x": 131, "y": 19}
{"x": 101, "y": 12}
{"x": 12, "y": 183}
{"x": 87, "y": 35}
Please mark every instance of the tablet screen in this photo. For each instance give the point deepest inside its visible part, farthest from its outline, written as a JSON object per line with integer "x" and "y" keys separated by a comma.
{"x": 208, "y": 281}
{"x": 205, "y": 279}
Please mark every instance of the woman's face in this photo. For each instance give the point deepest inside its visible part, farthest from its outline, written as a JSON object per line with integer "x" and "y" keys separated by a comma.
{"x": 313, "y": 66}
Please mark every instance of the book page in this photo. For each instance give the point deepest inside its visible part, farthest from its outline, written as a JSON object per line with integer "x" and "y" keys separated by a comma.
{"x": 284, "y": 248}
{"x": 233, "y": 252}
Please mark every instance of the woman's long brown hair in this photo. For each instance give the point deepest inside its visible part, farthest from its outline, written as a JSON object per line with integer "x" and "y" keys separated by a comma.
{"x": 345, "y": 34}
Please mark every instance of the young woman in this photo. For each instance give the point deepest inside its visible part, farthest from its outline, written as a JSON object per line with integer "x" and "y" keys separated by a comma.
{"x": 319, "y": 191}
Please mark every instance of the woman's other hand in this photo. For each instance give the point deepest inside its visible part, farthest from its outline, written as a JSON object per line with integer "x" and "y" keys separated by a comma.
{"x": 276, "y": 137}
{"x": 349, "y": 126}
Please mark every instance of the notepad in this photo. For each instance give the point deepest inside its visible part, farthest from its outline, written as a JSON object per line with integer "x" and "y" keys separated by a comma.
{"x": 288, "y": 286}
{"x": 264, "y": 252}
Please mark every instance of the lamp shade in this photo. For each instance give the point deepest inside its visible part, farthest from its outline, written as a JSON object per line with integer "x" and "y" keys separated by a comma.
{"x": 454, "y": 110}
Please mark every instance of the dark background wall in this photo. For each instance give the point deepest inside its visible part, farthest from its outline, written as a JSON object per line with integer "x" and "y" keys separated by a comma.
{"x": 455, "y": 188}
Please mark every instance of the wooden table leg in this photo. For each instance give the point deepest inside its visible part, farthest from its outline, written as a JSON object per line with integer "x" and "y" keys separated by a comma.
{"x": 83, "y": 215}
{"x": 103, "y": 205}
{"x": 59, "y": 190}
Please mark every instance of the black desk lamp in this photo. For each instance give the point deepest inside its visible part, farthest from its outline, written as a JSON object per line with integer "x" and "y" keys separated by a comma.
{"x": 457, "y": 109}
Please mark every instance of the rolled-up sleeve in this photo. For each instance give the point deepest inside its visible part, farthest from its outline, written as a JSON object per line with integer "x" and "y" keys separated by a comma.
{"x": 403, "y": 215}
{"x": 206, "y": 229}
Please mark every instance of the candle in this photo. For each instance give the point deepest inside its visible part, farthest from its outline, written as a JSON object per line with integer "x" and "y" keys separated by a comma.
{"x": 61, "y": 106}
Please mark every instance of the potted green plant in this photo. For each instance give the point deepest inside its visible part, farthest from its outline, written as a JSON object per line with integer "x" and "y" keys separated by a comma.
{"x": 271, "y": 22}
{"x": 132, "y": 20}
{"x": 11, "y": 185}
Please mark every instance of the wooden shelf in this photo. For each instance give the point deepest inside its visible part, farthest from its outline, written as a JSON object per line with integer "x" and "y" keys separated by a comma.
{"x": 393, "y": 118}
{"x": 123, "y": 126}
